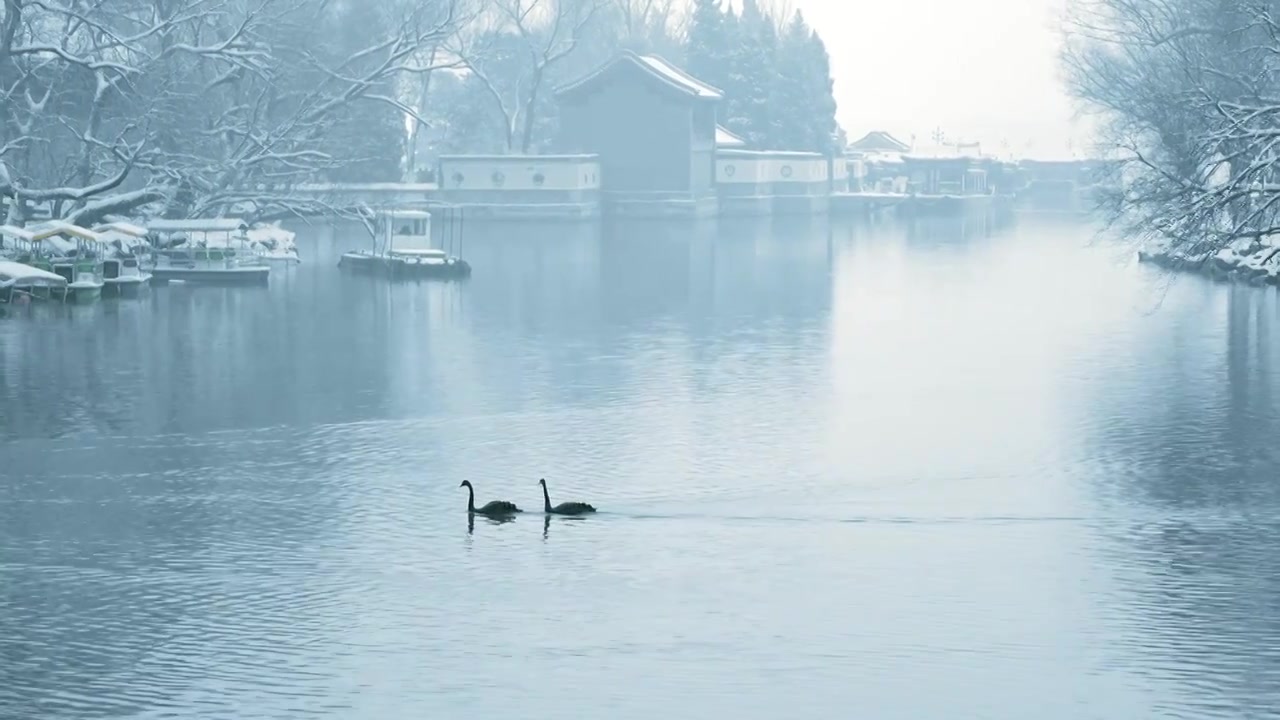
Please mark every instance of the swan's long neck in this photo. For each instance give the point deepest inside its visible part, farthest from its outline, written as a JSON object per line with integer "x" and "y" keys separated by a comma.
{"x": 546, "y": 499}
{"x": 471, "y": 499}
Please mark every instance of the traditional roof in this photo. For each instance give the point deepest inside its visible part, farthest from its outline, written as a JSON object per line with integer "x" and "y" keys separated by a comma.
{"x": 726, "y": 139}
{"x": 652, "y": 65}
{"x": 879, "y": 140}
{"x": 948, "y": 151}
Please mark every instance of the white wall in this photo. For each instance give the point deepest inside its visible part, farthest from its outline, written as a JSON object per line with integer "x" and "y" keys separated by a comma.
{"x": 770, "y": 168}
{"x": 520, "y": 172}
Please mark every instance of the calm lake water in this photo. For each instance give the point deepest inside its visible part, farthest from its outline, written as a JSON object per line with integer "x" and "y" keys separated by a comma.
{"x": 939, "y": 470}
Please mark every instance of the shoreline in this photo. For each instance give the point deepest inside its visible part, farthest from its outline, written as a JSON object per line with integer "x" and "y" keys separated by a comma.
{"x": 1253, "y": 264}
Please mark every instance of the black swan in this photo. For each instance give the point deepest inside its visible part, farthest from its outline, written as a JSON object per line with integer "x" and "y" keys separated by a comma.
{"x": 568, "y": 508}
{"x": 493, "y": 508}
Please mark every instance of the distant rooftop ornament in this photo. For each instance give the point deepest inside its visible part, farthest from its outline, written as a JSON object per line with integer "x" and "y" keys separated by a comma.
{"x": 652, "y": 65}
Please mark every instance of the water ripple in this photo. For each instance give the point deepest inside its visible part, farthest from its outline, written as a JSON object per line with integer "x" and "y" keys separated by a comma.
{"x": 835, "y": 467}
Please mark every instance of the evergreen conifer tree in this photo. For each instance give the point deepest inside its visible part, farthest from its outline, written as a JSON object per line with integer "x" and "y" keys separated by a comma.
{"x": 823, "y": 128}
{"x": 751, "y": 71}
{"x": 708, "y": 46}
{"x": 778, "y": 88}
{"x": 791, "y": 91}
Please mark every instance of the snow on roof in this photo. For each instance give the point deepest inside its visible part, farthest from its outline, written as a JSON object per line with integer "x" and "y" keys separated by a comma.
{"x": 13, "y": 273}
{"x": 724, "y": 138}
{"x": 50, "y": 228}
{"x": 197, "y": 225}
{"x": 16, "y": 232}
{"x": 656, "y": 67}
{"x": 358, "y": 187}
{"x": 271, "y": 231}
{"x": 879, "y": 140}
{"x": 882, "y": 157}
{"x": 125, "y": 228}
{"x": 119, "y": 239}
{"x": 406, "y": 214}
{"x": 1073, "y": 160}
{"x": 775, "y": 154}
{"x": 680, "y": 77}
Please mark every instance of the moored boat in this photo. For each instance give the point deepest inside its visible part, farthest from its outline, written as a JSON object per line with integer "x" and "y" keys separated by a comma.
{"x": 212, "y": 267}
{"x": 272, "y": 243}
{"x": 201, "y": 251}
{"x": 123, "y": 276}
{"x": 19, "y": 280}
{"x": 77, "y": 257}
{"x": 86, "y": 277}
{"x": 125, "y": 246}
{"x": 402, "y": 248}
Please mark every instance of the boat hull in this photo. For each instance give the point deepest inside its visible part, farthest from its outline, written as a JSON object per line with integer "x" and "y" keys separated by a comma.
{"x": 41, "y": 292}
{"x": 125, "y": 286}
{"x": 83, "y": 294}
{"x": 247, "y": 275}
{"x": 393, "y": 267}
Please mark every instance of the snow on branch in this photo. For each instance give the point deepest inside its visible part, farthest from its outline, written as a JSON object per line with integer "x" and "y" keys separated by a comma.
{"x": 193, "y": 104}
{"x": 1188, "y": 92}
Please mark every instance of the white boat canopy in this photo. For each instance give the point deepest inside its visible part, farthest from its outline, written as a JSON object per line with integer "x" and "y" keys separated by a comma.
{"x": 407, "y": 214}
{"x": 51, "y": 228}
{"x": 123, "y": 228}
{"x": 197, "y": 225}
{"x": 18, "y": 233}
{"x": 15, "y": 273}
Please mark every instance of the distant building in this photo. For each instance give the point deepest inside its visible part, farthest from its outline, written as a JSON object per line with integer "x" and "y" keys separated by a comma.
{"x": 654, "y": 129}
{"x": 1060, "y": 184}
{"x": 878, "y": 141}
{"x": 948, "y": 169}
{"x": 875, "y": 163}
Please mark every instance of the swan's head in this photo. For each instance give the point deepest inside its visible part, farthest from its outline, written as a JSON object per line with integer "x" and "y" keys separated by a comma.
{"x": 542, "y": 482}
{"x": 465, "y": 484}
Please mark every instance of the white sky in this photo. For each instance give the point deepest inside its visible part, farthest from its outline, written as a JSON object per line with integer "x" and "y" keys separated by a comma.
{"x": 984, "y": 70}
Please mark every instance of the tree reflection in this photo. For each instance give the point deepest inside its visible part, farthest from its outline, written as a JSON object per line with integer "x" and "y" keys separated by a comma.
{"x": 1196, "y": 465}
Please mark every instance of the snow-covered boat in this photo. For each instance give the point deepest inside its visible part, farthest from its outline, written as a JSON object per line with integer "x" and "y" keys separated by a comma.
{"x": 17, "y": 279}
{"x": 17, "y": 243}
{"x": 402, "y": 248}
{"x": 204, "y": 251}
{"x": 123, "y": 276}
{"x": 272, "y": 243}
{"x": 125, "y": 246}
{"x": 76, "y": 256}
{"x": 266, "y": 241}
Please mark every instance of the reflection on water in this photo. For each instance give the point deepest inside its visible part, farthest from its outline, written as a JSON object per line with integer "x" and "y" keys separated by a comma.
{"x": 837, "y": 464}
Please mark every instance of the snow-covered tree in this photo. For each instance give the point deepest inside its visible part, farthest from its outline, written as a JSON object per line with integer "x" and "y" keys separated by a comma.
{"x": 1188, "y": 95}
{"x": 643, "y": 26}
{"x": 753, "y": 77}
{"x": 777, "y": 85}
{"x": 195, "y": 106}
{"x": 804, "y": 96}
{"x": 708, "y": 44}
{"x": 515, "y": 51}
{"x": 820, "y": 130}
